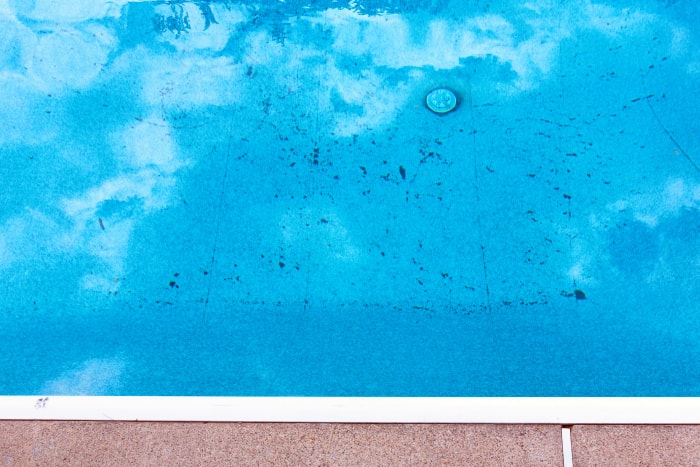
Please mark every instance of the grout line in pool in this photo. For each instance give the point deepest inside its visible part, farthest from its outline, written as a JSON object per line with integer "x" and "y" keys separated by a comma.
{"x": 219, "y": 208}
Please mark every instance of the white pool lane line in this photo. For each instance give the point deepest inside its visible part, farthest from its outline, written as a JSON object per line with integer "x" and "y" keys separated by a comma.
{"x": 507, "y": 410}
{"x": 566, "y": 446}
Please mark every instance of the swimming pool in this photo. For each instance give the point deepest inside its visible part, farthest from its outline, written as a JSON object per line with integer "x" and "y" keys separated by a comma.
{"x": 225, "y": 198}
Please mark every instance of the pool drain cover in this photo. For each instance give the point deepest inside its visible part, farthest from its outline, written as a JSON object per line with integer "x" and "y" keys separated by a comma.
{"x": 441, "y": 100}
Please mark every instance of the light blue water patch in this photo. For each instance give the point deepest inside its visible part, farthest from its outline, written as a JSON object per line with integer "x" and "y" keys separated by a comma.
{"x": 240, "y": 198}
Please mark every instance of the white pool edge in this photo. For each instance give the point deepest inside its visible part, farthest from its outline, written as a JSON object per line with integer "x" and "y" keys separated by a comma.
{"x": 539, "y": 410}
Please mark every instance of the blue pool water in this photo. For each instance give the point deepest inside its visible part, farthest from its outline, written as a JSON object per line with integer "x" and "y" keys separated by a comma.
{"x": 252, "y": 198}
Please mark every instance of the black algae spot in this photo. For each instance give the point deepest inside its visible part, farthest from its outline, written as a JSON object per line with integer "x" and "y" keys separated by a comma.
{"x": 402, "y": 171}
{"x": 579, "y": 294}
{"x": 281, "y": 264}
{"x": 173, "y": 284}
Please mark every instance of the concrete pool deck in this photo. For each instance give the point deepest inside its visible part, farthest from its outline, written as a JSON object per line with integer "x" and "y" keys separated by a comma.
{"x": 197, "y": 443}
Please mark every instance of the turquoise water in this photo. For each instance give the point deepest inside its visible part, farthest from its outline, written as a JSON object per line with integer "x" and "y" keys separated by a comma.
{"x": 240, "y": 198}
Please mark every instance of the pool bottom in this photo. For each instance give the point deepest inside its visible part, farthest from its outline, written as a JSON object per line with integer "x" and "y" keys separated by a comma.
{"x": 540, "y": 410}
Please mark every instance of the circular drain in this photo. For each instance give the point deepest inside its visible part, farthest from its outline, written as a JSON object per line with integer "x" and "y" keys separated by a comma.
{"x": 441, "y": 100}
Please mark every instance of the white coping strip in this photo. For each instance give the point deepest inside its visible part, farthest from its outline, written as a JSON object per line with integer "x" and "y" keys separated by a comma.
{"x": 546, "y": 410}
{"x": 566, "y": 447}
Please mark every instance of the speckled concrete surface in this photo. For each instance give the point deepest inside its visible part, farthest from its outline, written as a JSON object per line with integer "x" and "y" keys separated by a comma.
{"x": 637, "y": 445}
{"x": 147, "y": 443}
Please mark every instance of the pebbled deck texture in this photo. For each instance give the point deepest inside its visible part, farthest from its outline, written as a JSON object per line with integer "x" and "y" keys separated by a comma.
{"x": 147, "y": 443}
{"x": 26, "y": 443}
{"x": 636, "y": 445}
